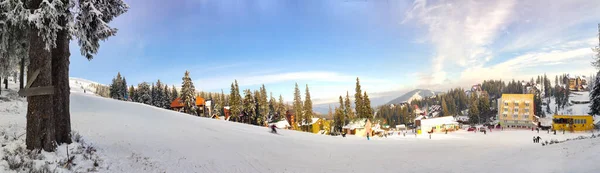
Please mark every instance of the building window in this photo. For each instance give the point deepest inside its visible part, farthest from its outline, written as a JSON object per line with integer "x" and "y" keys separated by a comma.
{"x": 516, "y": 110}
{"x": 515, "y": 116}
{"x": 505, "y": 103}
{"x": 505, "y": 121}
{"x": 526, "y": 104}
{"x": 505, "y": 115}
{"x": 526, "y": 117}
{"x": 505, "y": 109}
{"x": 584, "y": 121}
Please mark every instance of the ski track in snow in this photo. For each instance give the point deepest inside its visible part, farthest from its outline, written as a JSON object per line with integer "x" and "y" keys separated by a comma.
{"x": 139, "y": 138}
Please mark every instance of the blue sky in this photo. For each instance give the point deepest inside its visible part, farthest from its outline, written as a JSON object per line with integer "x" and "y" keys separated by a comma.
{"x": 391, "y": 45}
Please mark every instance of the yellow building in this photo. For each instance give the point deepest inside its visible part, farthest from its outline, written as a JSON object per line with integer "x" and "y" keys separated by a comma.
{"x": 573, "y": 122}
{"x": 516, "y": 111}
{"x": 360, "y": 127}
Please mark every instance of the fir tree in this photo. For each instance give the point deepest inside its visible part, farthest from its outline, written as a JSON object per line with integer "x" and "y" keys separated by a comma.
{"x": 298, "y": 107}
{"x": 123, "y": 90}
{"x": 235, "y": 101}
{"x": 308, "y": 112}
{"x": 548, "y": 110}
{"x": 538, "y": 105}
{"x": 158, "y": 95}
{"x": 144, "y": 94}
{"x": 263, "y": 104}
{"x": 281, "y": 108}
{"x": 258, "y": 117}
{"x": 473, "y": 110}
{"x": 484, "y": 103}
{"x": 174, "y": 93}
{"x": 347, "y": 108}
{"x": 187, "y": 94}
{"x": 358, "y": 100}
{"x": 131, "y": 94}
{"x": 445, "y": 111}
{"x": 595, "y": 97}
{"x": 367, "y": 110}
{"x": 272, "y": 108}
{"x": 166, "y": 97}
{"x": 249, "y": 104}
{"x": 596, "y": 50}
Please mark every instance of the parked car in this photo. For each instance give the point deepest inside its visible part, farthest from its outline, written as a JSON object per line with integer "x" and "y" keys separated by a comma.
{"x": 471, "y": 129}
{"x": 482, "y": 129}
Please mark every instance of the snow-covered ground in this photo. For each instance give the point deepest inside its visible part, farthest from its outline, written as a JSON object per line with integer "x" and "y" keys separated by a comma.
{"x": 133, "y": 137}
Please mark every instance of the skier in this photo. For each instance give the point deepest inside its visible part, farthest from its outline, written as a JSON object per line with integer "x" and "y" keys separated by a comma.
{"x": 368, "y": 136}
{"x": 273, "y": 128}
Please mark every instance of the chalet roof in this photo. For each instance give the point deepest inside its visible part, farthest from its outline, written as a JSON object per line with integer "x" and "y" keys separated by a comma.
{"x": 178, "y": 104}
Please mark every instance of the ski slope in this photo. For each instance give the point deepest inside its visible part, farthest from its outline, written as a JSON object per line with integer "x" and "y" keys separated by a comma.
{"x": 133, "y": 137}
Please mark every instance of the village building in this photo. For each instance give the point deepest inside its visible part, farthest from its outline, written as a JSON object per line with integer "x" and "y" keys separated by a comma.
{"x": 439, "y": 124}
{"x": 202, "y": 106}
{"x": 516, "y": 111}
{"x": 358, "y": 127}
{"x": 577, "y": 83}
{"x": 573, "y": 122}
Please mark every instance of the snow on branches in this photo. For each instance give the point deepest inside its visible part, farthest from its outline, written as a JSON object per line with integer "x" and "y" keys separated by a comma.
{"x": 87, "y": 20}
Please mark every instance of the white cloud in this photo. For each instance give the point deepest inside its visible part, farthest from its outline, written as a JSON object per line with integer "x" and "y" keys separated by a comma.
{"x": 460, "y": 31}
{"x": 574, "y": 60}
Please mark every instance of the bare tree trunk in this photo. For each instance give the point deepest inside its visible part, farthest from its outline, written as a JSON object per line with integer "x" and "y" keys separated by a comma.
{"x": 60, "y": 79}
{"x": 40, "y": 118}
{"x": 22, "y": 72}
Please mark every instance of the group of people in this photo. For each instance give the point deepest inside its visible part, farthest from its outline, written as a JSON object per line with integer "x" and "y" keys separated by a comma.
{"x": 536, "y": 139}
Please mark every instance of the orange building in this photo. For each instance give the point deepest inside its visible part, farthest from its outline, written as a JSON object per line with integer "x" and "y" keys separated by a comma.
{"x": 177, "y": 105}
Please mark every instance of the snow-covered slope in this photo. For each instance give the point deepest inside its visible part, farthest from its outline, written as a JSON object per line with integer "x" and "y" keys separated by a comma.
{"x": 79, "y": 85}
{"x": 413, "y": 95}
{"x": 133, "y": 137}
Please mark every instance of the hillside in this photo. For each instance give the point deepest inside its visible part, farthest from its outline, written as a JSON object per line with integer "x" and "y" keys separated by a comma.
{"x": 413, "y": 95}
{"x": 133, "y": 137}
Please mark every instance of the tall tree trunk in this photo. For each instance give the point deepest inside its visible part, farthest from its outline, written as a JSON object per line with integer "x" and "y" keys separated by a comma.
{"x": 40, "y": 118}
{"x": 22, "y": 72}
{"x": 60, "y": 79}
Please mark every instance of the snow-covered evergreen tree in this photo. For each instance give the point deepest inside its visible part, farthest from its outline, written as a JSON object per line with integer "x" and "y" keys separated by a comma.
{"x": 158, "y": 95}
{"x": 123, "y": 89}
{"x": 144, "y": 94}
{"x": 174, "y": 93}
{"x": 367, "y": 110}
{"x": 595, "y": 97}
{"x": 167, "y": 97}
{"x": 132, "y": 94}
{"x": 188, "y": 94}
{"x": 235, "y": 101}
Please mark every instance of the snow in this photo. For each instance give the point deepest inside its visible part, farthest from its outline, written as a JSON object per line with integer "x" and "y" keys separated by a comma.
{"x": 133, "y": 137}
{"x": 571, "y": 109}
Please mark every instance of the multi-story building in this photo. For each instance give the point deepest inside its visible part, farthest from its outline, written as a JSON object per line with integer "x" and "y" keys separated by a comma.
{"x": 516, "y": 111}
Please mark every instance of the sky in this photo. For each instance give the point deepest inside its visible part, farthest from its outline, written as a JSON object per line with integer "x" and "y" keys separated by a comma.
{"x": 392, "y": 46}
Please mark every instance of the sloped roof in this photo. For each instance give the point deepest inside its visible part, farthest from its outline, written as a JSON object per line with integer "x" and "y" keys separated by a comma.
{"x": 178, "y": 104}
{"x": 313, "y": 121}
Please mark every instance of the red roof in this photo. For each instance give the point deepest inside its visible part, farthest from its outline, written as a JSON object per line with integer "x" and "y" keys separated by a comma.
{"x": 178, "y": 104}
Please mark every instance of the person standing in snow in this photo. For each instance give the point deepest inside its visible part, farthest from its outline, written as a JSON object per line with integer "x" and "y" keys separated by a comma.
{"x": 534, "y": 139}
{"x": 538, "y": 139}
{"x": 273, "y": 128}
{"x": 368, "y": 136}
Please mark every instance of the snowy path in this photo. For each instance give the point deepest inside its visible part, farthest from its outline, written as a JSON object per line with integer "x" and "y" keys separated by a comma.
{"x": 139, "y": 138}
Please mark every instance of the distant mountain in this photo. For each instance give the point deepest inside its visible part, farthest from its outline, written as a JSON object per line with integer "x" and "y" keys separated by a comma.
{"x": 414, "y": 95}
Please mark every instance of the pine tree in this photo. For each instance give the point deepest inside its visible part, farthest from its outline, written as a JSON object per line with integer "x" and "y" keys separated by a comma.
{"x": 367, "y": 110}
{"x": 596, "y": 62}
{"x": 445, "y": 111}
{"x": 338, "y": 119}
{"x": 358, "y": 100}
{"x": 123, "y": 90}
{"x": 249, "y": 104}
{"x": 548, "y": 110}
{"x": 258, "y": 117}
{"x": 484, "y": 103}
{"x": 166, "y": 97}
{"x": 174, "y": 93}
{"x": 235, "y": 102}
{"x": 538, "y": 105}
{"x": 116, "y": 87}
{"x": 347, "y": 108}
{"x": 595, "y": 97}
{"x": 144, "y": 94}
{"x": 272, "y": 108}
{"x": 187, "y": 94}
{"x": 473, "y": 110}
{"x": 298, "y": 107}
{"x": 158, "y": 95}
{"x": 263, "y": 104}
{"x": 132, "y": 94}
{"x": 281, "y": 108}
{"x": 308, "y": 111}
